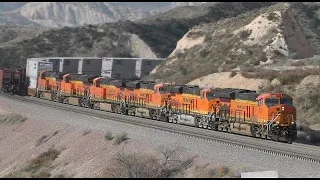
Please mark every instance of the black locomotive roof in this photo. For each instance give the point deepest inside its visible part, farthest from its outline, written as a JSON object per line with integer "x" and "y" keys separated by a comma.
{"x": 117, "y": 82}
{"x": 185, "y": 89}
{"x": 137, "y": 84}
{"x": 148, "y": 84}
{"x": 234, "y": 93}
{"x": 57, "y": 75}
{"x": 83, "y": 77}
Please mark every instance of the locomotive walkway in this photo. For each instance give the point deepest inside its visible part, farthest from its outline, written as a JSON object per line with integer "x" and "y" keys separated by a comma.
{"x": 295, "y": 150}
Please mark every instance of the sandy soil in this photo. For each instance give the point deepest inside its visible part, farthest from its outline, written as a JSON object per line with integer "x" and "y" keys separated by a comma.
{"x": 223, "y": 80}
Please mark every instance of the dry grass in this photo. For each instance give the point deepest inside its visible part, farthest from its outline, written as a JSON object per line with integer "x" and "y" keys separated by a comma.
{"x": 43, "y": 139}
{"x": 233, "y": 73}
{"x": 12, "y": 119}
{"x": 85, "y": 132}
{"x": 167, "y": 163}
{"x": 285, "y": 77}
{"x": 108, "y": 136}
{"x": 244, "y": 34}
{"x": 38, "y": 167}
{"x": 307, "y": 135}
{"x": 298, "y": 63}
{"x": 118, "y": 139}
{"x": 219, "y": 172}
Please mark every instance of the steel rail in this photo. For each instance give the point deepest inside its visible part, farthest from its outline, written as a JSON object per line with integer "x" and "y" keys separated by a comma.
{"x": 295, "y": 150}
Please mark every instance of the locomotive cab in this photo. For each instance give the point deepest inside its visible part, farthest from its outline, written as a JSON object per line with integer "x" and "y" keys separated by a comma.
{"x": 278, "y": 108}
{"x": 280, "y": 113}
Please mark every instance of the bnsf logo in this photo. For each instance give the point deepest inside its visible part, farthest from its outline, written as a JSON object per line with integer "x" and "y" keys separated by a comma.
{"x": 241, "y": 107}
{"x": 187, "y": 100}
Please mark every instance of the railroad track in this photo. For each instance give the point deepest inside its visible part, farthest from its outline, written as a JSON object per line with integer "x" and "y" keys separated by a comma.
{"x": 295, "y": 150}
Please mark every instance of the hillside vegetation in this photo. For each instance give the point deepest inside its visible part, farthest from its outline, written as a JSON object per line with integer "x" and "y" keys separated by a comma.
{"x": 269, "y": 35}
{"x": 159, "y": 33}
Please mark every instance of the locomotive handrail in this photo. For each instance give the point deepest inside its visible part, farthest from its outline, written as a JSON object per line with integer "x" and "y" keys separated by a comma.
{"x": 270, "y": 122}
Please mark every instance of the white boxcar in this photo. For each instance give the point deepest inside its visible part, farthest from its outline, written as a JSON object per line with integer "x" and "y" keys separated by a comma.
{"x": 90, "y": 65}
{"x": 33, "y": 82}
{"x": 145, "y": 66}
{"x": 123, "y": 68}
{"x": 36, "y": 65}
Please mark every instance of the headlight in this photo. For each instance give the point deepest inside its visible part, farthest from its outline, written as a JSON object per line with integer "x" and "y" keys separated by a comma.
{"x": 277, "y": 122}
{"x": 282, "y": 108}
{"x": 292, "y": 122}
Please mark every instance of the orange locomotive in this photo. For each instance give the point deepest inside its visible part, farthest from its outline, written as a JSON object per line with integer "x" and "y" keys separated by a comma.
{"x": 232, "y": 110}
{"x": 260, "y": 115}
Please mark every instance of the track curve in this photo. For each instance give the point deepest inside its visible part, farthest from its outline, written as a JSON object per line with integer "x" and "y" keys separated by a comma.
{"x": 295, "y": 150}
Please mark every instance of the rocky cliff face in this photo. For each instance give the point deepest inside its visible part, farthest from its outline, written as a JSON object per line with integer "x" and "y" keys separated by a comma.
{"x": 255, "y": 38}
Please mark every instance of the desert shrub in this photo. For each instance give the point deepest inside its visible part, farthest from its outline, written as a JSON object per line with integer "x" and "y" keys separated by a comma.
{"x": 207, "y": 38}
{"x": 183, "y": 70}
{"x": 259, "y": 73}
{"x": 263, "y": 57}
{"x": 232, "y": 74}
{"x": 204, "y": 53}
{"x": 295, "y": 76}
{"x": 85, "y": 132}
{"x": 194, "y": 34}
{"x": 244, "y": 34}
{"x": 38, "y": 167}
{"x": 44, "y": 159}
{"x": 12, "y": 119}
{"x": 218, "y": 172}
{"x": 247, "y": 69}
{"x": 272, "y": 16}
{"x": 277, "y": 53}
{"x": 120, "y": 138}
{"x": 256, "y": 62}
{"x": 108, "y": 136}
{"x": 166, "y": 163}
{"x": 290, "y": 78}
{"x": 297, "y": 63}
{"x": 269, "y": 41}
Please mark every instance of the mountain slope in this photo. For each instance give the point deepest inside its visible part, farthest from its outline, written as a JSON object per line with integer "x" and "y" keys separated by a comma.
{"x": 116, "y": 39}
{"x": 60, "y": 14}
{"x": 255, "y": 38}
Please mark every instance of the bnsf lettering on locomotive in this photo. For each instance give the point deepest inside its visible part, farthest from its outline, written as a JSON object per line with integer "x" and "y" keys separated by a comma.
{"x": 241, "y": 107}
{"x": 187, "y": 100}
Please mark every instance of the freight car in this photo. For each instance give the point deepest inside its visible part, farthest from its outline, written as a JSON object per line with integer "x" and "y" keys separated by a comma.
{"x": 13, "y": 80}
{"x": 240, "y": 111}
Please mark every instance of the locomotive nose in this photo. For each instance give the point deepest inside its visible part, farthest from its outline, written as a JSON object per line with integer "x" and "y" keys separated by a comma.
{"x": 287, "y": 115}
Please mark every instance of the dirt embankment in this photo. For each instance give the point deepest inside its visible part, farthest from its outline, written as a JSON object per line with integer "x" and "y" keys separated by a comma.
{"x": 33, "y": 148}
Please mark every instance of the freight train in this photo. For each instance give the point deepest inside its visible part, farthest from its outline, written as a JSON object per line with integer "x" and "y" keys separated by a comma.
{"x": 239, "y": 111}
{"x": 13, "y": 80}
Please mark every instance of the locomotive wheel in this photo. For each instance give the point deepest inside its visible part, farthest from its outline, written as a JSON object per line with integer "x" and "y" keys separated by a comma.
{"x": 197, "y": 122}
{"x": 275, "y": 137}
{"x": 289, "y": 140}
{"x": 153, "y": 114}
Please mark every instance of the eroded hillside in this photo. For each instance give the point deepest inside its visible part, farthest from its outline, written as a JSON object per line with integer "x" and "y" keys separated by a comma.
{"x": 256, "y": 38}
{"x": 152, "y": 37}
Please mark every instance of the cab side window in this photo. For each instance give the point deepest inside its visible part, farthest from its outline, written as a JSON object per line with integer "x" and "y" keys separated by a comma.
{"x": 260, "y": 102}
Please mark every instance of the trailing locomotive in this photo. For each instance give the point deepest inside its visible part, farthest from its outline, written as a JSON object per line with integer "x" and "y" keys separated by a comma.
{"x": 13, "y": 80}
{"x": 268, "y": 115}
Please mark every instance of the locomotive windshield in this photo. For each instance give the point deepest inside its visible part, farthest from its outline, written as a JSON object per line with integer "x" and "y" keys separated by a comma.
{"x": 286, "y": 101}
{"x": 211, "y": 95}
{"x": 275, "y": 101}
{"x": 163, "y": 90}
{"x": 271, "y": 102}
